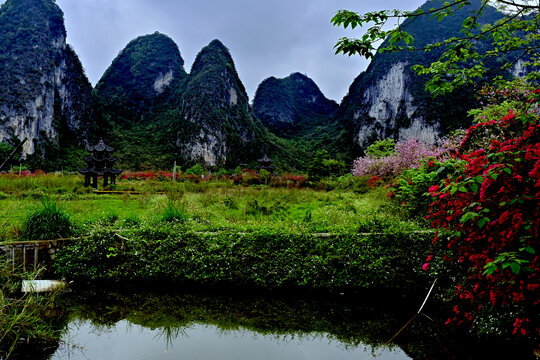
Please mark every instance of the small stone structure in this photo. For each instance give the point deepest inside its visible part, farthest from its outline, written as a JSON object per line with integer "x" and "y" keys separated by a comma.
{"x": 100, "y": 164}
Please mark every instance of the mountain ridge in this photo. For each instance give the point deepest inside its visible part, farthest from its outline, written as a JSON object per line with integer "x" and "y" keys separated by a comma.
{"x": 45, "y": 96}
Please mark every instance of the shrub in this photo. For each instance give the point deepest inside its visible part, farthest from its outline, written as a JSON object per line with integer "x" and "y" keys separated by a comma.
{"x": 411, "y": 189}
{"x": 196, "y": 169}
{"x": 382, "y": 148}
{"x": 262, "y": 258}
{"x": 322, "y": 167}
{"x": 488, "y": 215}
{"x": 49, "y": 221}
{"x": 247, "y": 177}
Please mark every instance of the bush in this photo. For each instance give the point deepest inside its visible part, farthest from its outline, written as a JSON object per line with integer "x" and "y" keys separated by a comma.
{"x": 382, "y": 148}
{"x": 49, "y": 221}
{"x": 322, "y": 167}
{"x": 488, "y": 214}
{"x": 411, "y": 189}
{"x": 391, "y": 258}
{"x": 196, "y": 169}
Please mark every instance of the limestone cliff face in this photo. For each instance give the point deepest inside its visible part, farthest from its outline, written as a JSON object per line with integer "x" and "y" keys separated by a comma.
{"x": 389, "y": 100}
{"x": 218, "y": 126}
{"x": 44, "y": 92}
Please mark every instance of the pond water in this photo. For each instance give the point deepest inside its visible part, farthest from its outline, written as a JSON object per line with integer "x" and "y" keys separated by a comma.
{"x": 200, "y": 341}
{"x": 200, "y": 325}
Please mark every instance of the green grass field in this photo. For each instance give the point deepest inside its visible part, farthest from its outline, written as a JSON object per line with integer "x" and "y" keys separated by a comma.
{"x": 205, "y": 206}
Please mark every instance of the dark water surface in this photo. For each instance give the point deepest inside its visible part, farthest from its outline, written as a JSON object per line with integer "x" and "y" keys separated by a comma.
{"x": 235, "y": 326}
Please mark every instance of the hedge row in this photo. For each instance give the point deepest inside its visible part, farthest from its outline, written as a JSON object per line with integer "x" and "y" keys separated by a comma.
{"x": 266, "y": 259}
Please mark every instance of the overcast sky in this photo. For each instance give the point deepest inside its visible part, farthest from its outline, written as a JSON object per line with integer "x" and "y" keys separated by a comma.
{"x": 265, "y": 38}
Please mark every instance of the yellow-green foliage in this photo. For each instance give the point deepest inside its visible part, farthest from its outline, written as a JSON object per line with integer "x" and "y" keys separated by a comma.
{"x": 203, "y": 206}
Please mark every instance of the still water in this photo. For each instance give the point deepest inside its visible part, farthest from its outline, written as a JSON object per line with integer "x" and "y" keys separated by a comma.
{"x": 211, "y": 325}
{"x": 125, "y": 340}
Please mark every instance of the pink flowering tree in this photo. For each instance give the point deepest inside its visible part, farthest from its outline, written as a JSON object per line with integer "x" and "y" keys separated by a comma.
{"x": 408, "y": 154}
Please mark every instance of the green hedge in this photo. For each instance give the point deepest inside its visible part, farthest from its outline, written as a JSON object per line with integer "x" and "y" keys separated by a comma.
{"x": 266, "y": 259}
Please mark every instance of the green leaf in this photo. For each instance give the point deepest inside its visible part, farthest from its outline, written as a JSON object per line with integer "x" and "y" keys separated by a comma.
{"x": 515, "y": 268}
{"x": 530, "y": 250}
{"x": 489, "y": 268}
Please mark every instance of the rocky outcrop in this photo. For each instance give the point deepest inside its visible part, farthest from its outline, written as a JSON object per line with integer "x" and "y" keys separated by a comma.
{"x": 219, "y": 128}
{"x": 144, "y": 70}
{"x": 292, "y": 104}
{"x": 44, "y": 91}
{"x": 388, "y": 100}
{"x": 155, "y": 113}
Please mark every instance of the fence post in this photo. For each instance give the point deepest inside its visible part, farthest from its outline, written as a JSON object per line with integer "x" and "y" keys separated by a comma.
{"x": 35, "y": 256}
{"x": 24, "y": 258}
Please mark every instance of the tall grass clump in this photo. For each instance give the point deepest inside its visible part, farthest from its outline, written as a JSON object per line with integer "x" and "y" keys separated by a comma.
{"x": 173, "y": 210}
{"x": 48, "y": 221}
{"x": 23, "y": 320}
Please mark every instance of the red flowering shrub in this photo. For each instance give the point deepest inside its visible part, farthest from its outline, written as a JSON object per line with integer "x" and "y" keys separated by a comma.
{"x": 289, "y": 180}
{"x": 27, "y": 173}
{"x": 146, "y": 175}
{"x": 374, "y": 181}
{"x": 247, "y": 177}
{"x": 488, "y": 216}
{"x": 252, "y": 177}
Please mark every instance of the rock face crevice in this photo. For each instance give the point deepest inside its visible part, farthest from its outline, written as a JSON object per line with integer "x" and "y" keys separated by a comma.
{"x": 44, "y": 89}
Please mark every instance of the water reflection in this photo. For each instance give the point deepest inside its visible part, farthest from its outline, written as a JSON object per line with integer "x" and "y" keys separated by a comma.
{"x": 206, "y": 325}
{"x": 198, "y": 341}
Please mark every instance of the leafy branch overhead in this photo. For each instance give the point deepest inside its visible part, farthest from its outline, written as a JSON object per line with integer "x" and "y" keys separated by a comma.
{"x": 464, "y": 55}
